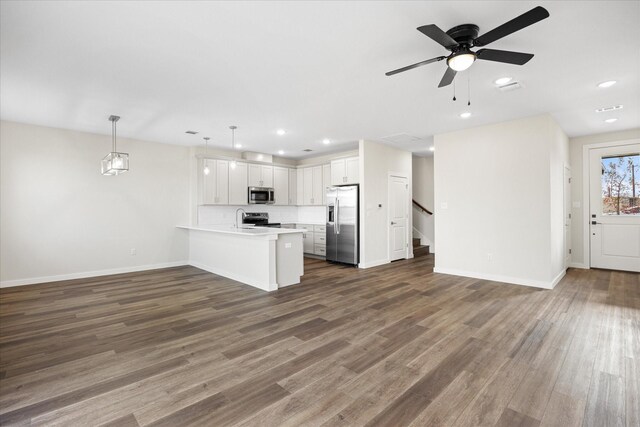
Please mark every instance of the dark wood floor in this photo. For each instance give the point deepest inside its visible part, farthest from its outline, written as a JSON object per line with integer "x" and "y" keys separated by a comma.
{"x": 390, "y": 346}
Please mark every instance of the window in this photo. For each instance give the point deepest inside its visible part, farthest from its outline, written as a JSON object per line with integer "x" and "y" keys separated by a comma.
{"x": 621, "y": 185}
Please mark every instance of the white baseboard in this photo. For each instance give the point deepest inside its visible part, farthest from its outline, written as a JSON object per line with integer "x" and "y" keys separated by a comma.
{"x": 86, "y": 274}
{"x": 578, "y": 265}
{"x": 500, "y": 278}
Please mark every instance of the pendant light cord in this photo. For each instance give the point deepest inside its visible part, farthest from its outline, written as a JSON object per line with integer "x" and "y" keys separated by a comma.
{"x": 113, "y": 136}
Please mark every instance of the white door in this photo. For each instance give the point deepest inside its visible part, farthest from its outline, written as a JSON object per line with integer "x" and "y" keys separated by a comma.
{"x": 398, "y": 218}
{"x": 614, "y": 205}
{"x": 567, "y": 216}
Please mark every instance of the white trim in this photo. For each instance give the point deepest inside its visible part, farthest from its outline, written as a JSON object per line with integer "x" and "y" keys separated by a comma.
{"x": 578, "y": 265}
{"x": 86, "y": 274}
{"x": 586, "y": 197}
{"x": 505, "y": 279}
{"x": 374, "y": 263}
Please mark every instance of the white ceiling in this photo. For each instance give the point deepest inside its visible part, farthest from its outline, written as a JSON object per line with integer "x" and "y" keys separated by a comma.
{"x": 315, "y": 69}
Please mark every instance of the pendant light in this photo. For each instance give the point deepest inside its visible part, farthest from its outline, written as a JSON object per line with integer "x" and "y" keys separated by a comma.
{"x": 232, "y": 165}
{"x": 206, "y": 150}
{"x": 114, "y": 163}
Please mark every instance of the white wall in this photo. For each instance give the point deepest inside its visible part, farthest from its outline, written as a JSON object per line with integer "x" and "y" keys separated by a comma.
{"x": 579, "y": 223}
{"x": 60, "y": 218}
{"x": 423, "y": 224}
{"x": 376, "y": 162}
{"x": 498, "y": 201}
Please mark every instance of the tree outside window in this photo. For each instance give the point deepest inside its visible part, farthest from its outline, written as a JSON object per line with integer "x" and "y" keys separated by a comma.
{"x": 621, "y": 185}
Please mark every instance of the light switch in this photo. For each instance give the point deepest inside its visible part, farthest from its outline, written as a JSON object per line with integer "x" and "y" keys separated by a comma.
{"x": 287, "y": 245}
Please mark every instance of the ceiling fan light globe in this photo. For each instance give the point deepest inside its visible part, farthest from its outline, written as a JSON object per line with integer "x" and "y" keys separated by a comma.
{"x": 461, "y": 61}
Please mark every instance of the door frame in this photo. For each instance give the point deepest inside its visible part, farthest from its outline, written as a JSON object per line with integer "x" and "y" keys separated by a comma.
{"x": 409, "y": 226}
{"x": 586, "y": 195}
{"x": 567, "y": 204}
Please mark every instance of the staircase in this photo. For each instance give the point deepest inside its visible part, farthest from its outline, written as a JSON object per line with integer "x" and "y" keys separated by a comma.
{"x": 419, "y": 250}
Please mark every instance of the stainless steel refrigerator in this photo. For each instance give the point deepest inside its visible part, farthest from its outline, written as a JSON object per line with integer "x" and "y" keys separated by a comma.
{"x": 342, "y": 224}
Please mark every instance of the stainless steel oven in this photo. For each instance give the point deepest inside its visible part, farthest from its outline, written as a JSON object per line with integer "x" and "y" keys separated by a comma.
{"x": 261, "y": 196}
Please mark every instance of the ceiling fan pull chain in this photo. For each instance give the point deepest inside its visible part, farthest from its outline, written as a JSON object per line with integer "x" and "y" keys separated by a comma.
{"x": 454, "y": 90}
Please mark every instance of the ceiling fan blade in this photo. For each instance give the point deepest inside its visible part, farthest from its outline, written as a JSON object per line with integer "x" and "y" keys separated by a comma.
{"x": 448, "y": 77}
{"x": 436, "y": 34}
{"x": 516, "y": 24}
{"x": 419, "y": 64}
{"x": 517, "y": 58}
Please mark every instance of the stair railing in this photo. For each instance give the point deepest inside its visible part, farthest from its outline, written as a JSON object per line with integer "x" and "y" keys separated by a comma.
{"x": 422, "y": 208}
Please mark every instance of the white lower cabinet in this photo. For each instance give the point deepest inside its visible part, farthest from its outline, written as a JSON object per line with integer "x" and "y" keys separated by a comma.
{"x": 313, "y": 239}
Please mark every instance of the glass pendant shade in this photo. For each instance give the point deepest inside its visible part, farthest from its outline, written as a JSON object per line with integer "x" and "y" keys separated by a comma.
{"x": 114, "y": 163}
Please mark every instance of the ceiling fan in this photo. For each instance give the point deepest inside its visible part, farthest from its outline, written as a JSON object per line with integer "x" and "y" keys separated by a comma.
{"x": 459, "y": 40}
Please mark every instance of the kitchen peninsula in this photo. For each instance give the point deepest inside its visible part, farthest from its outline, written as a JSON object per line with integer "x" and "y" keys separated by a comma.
{"x": 266, "y": 258}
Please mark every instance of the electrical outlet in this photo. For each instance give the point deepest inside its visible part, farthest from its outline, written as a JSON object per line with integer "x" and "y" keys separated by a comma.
{"x": 287, "y": 245}
{"x": 133, "y": 251}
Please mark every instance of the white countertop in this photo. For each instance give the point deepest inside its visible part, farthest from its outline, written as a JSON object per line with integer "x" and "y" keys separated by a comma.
{"x": 242, "y": 231}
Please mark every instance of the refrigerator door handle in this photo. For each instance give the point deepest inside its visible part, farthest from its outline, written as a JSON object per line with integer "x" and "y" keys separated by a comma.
{"x": 337, "y": 218}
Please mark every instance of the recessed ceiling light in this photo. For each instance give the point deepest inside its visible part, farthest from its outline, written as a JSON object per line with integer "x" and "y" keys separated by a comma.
{"x": 465, "y": 115}
{"x": 503, "y": 81}
{"x": 608, "y": 83}
{"x": 612, "y": 108}
{"x": 238, "y": 145}
{"x": 432, "y": 148}
{"x": 611, "y": 120}
{"x": 281, "y": 152}
{"x": 326, "y": 141}
{"x": 281, "y": 132}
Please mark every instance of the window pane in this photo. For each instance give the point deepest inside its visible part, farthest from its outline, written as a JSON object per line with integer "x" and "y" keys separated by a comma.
{"x": 621, "y": 185}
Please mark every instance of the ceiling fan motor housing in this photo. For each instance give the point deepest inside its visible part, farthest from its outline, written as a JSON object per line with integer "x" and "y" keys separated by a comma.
{"x": 464, "y": 34}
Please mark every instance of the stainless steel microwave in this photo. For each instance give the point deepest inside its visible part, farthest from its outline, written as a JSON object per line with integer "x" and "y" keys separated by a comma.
{"x": 261, "y": 196}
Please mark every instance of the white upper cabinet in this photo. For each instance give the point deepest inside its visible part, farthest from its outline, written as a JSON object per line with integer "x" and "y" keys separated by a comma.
{"x": 318, "y": 192}
{"x": 260, "y": 176}
{"x": 311, "y": 185}
{"x": 215, "y": 184}
{"x": 238, "y": 185}
{"x": 300, "y": 186}
{"x": 345, "y": 171}
{"x": 293, "y": 186}
{"x": 281, "y": 185}
{"x": 353, "y": 170}
{"x": 307, "y": 186}
{"x": 326, "y": 181}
